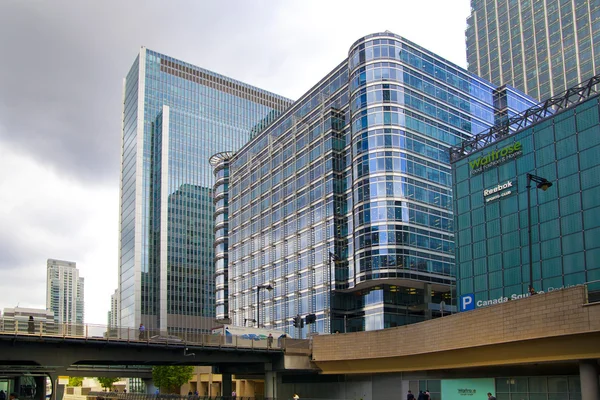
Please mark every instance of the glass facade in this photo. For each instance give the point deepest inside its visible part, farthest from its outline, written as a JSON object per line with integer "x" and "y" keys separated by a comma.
{"x": 538, "y": 388}
{"x": 175, "y": 116}
{"x": 220, "y": 164}
{"x": 490, "y": 204}
{"x": 539, "y": 47}
{"x": 344, "y": 203}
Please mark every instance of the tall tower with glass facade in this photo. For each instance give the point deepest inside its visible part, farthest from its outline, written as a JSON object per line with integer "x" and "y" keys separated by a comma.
{"x": 64, "y": 292}
{"x": 541, "y": 47}
{"x": 343, "y": 205}
{"x": 175, "y": 116}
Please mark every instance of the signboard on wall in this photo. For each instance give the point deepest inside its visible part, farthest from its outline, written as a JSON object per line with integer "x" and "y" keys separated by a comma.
{"x": 495, "y": 157}
{"x": 467, "y": 389}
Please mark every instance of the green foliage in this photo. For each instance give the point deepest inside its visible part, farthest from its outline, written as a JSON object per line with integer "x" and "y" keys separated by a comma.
{"x": 169, "y": 378}
{"x": 75, "y": 381}
{"x": 107, "y": 383}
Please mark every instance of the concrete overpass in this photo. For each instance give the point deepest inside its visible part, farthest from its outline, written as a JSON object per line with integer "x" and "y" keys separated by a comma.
{"x": 556, "y": 331}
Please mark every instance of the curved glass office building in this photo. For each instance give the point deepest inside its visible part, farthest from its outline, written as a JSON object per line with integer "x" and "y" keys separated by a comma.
{"x": 344, "y": 203}
{"x": 561, "y": 145}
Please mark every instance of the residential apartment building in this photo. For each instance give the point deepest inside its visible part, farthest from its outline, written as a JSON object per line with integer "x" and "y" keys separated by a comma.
{"x": 65, "y": 292}
{"x": 16, "y": 319}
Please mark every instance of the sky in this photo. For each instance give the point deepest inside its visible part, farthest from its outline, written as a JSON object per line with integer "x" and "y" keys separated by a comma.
{"x": 61, "y": 74}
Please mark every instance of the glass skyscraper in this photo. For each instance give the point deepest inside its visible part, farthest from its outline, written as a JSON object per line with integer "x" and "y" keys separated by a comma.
{"x": 490, "y": 196}
{"x": 539, "y": 47}
{"x": 343, "y": 204}
{"x": 175, "y": 116}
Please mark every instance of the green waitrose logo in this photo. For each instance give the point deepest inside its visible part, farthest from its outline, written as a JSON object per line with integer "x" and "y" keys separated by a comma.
{"x": 495, "y": 157}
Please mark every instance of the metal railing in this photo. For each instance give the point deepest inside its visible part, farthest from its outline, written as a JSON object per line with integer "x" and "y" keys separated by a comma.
{"x": 93, "y": 332}
{"x": 161, "y": 396}
{"x": 571, "y": 96}
{"x": 165, "y": 396}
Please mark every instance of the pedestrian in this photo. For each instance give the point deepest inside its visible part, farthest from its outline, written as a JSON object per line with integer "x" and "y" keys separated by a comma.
{"x": 233, "y": 394}
{"x": 269, "y": 341}
{"x": 2, "y": 395}
{"x": 31, "y": 325}
{"x": 426, "y": 395}
{"x": 296, "y": 397}
{"x": 490, "y": 397}
{"x": 190, "y": 393}
{"x": 157, "y": 389}
{"x": 410, "y": 396}
{"x": 421, "y": 395}
{"x": 142, "y": 330}
{"x": 125, "y": 391}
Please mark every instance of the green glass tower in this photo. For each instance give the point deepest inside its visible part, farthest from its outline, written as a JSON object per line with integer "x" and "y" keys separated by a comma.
{"x": 540, "y": 47}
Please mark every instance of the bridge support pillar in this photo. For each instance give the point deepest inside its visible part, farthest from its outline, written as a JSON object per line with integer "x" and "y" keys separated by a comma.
{"x": 226, "y": 385}
{"x": 40, "y": 387}
{"x": 588, "y": 375}
{"x": 58, "y": 390}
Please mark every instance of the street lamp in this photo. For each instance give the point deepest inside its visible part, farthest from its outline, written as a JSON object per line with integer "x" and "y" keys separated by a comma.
{"x": 269, "y": 288}
{"x": 544, "y": 184}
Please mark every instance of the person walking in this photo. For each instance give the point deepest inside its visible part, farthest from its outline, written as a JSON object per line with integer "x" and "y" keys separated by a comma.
{"x": 410, "y": 396}
{"x": 490, "y": 397}
{"x": 31, "y": 325}
{"x": 269, "y": 341}
{"x": 2, "y": 395}
{"x": 142, "y": 330}
{"x": 421, "y": 395}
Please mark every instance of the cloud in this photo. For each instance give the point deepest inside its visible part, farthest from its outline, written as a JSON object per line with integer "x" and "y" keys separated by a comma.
{"x": 61, "y": 75}
{"x": 44, "y": 215}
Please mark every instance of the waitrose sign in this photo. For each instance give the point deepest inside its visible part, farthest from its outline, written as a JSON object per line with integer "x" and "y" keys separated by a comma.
{"x": 495, "y": 157}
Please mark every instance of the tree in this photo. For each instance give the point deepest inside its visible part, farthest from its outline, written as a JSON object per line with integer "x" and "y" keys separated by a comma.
{"x": 169, "y": 378}
{"x": 107, "y": 383}
{"x": 75, "y": 381}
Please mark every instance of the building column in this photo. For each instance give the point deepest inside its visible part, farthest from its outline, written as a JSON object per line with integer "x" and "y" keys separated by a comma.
{"x": 270, "y": 385}
{"x": 58, "y": 390}
{"x": 149, "y": 384}
{"x": 427, "y": 300}
{"x": 40, "y": 387}
{"x": 226, "y": 386}
{"x": 588, "y": 376}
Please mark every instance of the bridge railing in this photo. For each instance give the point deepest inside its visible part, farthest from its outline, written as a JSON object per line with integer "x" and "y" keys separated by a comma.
{"x": 161, "y": 396}
{"x": 148, "y": 336}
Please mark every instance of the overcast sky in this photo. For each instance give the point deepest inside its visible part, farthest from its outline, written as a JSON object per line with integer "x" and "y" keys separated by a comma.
{"x": 61, "y": 70}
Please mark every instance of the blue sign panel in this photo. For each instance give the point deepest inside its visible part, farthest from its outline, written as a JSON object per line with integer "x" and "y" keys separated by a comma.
{"x": 467, "y": 302}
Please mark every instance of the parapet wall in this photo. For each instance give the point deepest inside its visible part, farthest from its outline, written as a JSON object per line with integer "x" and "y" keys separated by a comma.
{"x": 561, "y": 312}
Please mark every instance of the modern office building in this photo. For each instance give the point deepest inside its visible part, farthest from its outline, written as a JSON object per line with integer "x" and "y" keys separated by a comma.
{"x": 17, "y": 320}
{"x": 64, "y": 292}
{"x": 342, "y": 207}
{"x": 494, "y": 251}
{"x": 539, "y": 47}
{"x": 175, "y": 116}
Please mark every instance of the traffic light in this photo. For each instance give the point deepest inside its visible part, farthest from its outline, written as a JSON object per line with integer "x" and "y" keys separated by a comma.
{"x": 298, "y": 322}
{"x": 311, "y": 319}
